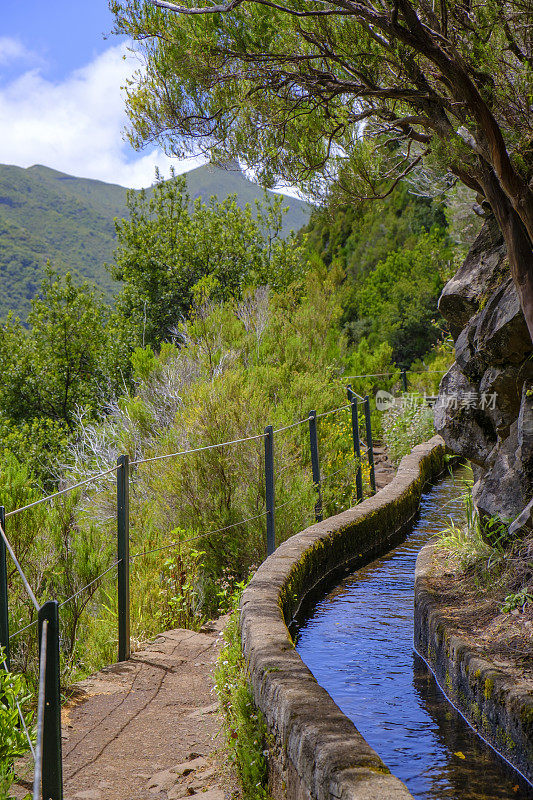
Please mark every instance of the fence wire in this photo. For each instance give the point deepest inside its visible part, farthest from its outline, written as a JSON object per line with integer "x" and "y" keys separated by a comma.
{"x": 292, "y": 425}
{"x": 25, "y": 628}
{"x": 333, "y": 411}
{"x": 19, "y": 568}
{"x": 196, "y": 450}
{"x": 332, "y": 474}
{"x": 63, "y": 491}
{"x": 88, "y": 586}
{"x": 199, "y": 536}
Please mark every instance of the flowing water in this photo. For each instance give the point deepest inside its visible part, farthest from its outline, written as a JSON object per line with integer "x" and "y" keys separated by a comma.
{"x": 359, "y": 646}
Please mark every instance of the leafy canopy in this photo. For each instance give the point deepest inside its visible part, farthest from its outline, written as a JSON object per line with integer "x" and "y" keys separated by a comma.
{"x": 365, "y": 92}
{"x": 65, "y": 362}
{"x": 164, "y": 250}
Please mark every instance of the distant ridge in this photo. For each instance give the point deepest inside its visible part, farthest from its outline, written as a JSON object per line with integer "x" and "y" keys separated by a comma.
{"x": 46, "y": 214}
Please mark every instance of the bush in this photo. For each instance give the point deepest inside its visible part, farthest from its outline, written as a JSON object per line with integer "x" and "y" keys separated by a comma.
{"x": 406, "y": 425}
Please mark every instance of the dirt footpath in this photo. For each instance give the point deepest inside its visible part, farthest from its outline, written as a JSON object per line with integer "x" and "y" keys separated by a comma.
{"x": 148, "y": 728}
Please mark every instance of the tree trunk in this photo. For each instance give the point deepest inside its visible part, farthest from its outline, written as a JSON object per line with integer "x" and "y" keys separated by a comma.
{"x": 519, "y": 245}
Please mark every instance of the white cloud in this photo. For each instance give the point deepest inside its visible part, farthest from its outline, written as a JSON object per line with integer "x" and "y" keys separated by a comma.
{"x": 12, "y": 50}
{"x": 76, "y": 126}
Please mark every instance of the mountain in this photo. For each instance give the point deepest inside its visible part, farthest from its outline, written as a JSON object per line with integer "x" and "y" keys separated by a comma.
{"x": 45, "y": 214}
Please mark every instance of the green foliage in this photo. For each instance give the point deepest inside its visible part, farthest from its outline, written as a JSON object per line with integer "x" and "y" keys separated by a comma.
{"x": 463, "y": 542}
{"x": 397, "y": 301}
{"x": 408, "y": 423}
{"x": 13, "y": 742}
{"x": 219, "y": 81}
{"x": 358, "y": 236}
{"x": 179, "y": 601}
{"x": 47, "y": 215}
{"x": 517, "y": 600}
{"x": 65, "y": 362}
{"x": 164, "y": 251}
{"x": 244, "y": 725}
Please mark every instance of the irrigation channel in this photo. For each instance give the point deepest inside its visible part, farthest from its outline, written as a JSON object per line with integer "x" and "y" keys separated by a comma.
{"x": 358, "y": 644}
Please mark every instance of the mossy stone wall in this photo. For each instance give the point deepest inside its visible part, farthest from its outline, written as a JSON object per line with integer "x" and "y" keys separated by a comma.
{"x": 316, "y": 752}
{"x": 497, "y": 705}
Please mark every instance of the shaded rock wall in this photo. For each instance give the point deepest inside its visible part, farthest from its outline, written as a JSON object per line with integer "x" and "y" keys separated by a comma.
{"x": 485, "y": 406}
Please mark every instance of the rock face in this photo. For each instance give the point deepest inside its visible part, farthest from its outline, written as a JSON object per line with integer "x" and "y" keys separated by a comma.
{"x": 485, "y": 406}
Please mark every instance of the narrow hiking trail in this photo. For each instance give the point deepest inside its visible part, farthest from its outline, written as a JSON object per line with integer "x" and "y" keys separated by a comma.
{"x": 149, "y": 728}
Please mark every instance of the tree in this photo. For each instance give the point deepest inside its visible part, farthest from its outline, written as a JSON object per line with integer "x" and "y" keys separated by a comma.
{"x": 68, "y": 359}
{"x": 397, "y": 301}
{"x": 165, "y": 248}
{"x": 362, "y": 90}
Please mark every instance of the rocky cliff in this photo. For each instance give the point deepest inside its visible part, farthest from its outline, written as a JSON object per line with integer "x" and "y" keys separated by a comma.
{"x": 485, "y": 406}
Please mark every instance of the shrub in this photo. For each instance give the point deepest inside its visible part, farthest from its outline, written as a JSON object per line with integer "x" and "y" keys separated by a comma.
{"x": 406, "y": 425}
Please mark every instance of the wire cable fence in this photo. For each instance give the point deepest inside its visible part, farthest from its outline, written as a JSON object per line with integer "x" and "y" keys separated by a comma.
{"x": 389, "y": 374}
{"x": 62, "y": 491}
{"x": 196, "y": 450}
{"x": 47, "y": 751}
{"x": 179, "y": 542}
{"x": 88, "y": 586}
{"x": 20, "y": 571}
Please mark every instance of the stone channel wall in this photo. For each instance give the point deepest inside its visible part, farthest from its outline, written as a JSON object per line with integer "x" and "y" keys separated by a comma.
{"x": 316, "y": 753}
{"x": 497, "y": 704}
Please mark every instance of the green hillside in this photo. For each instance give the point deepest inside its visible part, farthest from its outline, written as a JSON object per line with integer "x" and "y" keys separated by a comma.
{"x": 45, "y": 214}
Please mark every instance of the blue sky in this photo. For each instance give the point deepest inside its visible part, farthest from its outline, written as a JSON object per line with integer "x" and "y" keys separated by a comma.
{"x": 60, "y": 99}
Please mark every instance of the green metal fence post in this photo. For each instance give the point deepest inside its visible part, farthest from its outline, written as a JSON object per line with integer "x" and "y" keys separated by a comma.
{"x": 52, "y": 773}
{"x": 315, "y": 464}
{"x": 404, "y": 380}
{"x": 269, "y": 489}
{"x": 356, "y": 443}
{"x": 4, "y": 612}
{"x": 123, "y": 555}
{"x": 370, "y": 447}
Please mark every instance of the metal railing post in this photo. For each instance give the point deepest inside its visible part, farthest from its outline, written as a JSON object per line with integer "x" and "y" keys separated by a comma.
{"x": 370, "y": 447}
{"x": 123, "y": 555}
{"x": 404, "y": 380}
{"x": 269, "y": 489}
{"x": 315, "y": 464}
{"x": 356, "y": 443}
{"x": 4, "y": 611}
{"x": 52, "y": 772}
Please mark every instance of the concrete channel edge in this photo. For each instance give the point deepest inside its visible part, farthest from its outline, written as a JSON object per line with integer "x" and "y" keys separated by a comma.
{"x": 494, "y": 703}
{"x": 315, "y": 751}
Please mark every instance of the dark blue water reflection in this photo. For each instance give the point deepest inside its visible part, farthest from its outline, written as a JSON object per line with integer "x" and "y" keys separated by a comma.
{"x": 359, "y": 646}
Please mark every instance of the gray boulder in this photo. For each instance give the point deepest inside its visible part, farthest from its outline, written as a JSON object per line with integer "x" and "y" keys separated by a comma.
{"x": 485, "y": 407}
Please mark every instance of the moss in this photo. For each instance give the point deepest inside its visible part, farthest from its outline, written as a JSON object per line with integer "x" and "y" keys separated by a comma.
{"x": 505, "y": 740}
{"x": 489, "y": 688}
{"x": 526, "y": 717}
{"x": 475, "y": 711}
{"x": 381, "y": 769}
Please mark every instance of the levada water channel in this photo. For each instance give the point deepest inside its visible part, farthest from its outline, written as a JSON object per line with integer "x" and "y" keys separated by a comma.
{"x": 358, "y": 644}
